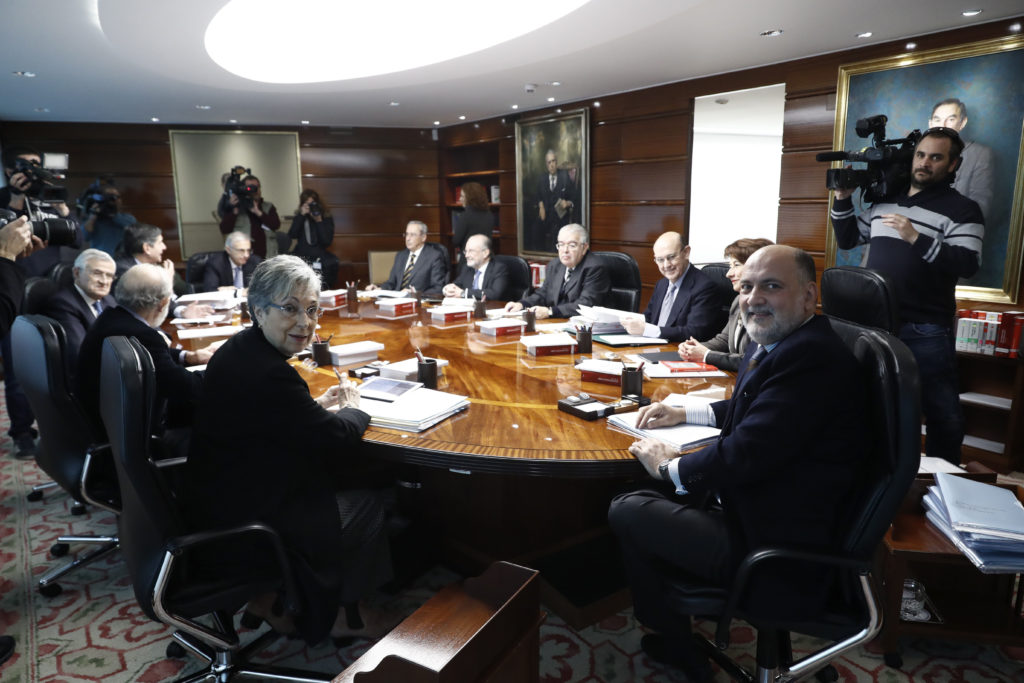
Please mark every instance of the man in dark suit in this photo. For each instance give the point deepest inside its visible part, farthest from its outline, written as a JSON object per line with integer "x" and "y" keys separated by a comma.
{"x": 143, "y": 297}
{"x": 234, "y": 267}
{"x": 575, "y": 277}
{"x": 787, "y": 459}
{"x": 480, "y": 277}
{"x": 145, "y": 244}
{"x": 77, "y": 305}
{"x": 419, "y": 267}
{"x": 556, "y": 195}
{"x": 685, "y": 303}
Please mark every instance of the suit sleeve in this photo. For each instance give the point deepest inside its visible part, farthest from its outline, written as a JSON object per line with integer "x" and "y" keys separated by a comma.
{"x": 211, "y": 277}
{"x": 543, "y": 295}
{"x": 437, "y": 276}
{"x": 593, "y": 292}
{"x": 324, "y": 232}
{"x": 496, "y": 287}
{"x": 173, "y": 380}
{"x": 296, "y": 227}
{"x": 70, "y": 319}
{"x": 395, "y": 278}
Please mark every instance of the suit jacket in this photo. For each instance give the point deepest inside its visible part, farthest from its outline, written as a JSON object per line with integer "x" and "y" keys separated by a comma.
{"x": 696, "y": 311}
{"x": 76, "y": 317}
{"x": 471, "y": 222}
{"x": 974, "y": 177}
{"x": 174, "y": 384}
{"x": 725, "y": 350}
{"x": 124, "y": 263}
{"x": 429, "y": 273}
{"x": 219, "y": 271}
{"x": 588, "y": 284}
{"x": 494, "y": 286}
{"x": 548, "y": 228}
{"x": 263, "y": 449}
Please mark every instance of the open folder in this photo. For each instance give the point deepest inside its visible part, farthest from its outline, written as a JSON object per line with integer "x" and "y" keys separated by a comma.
{"x": 414, "y": 410}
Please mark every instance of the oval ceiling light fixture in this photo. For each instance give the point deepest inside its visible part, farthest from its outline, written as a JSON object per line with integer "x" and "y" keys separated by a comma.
{"x": 368, "y": 39}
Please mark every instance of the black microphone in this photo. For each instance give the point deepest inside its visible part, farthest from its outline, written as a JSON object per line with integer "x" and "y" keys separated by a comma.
{"x": 830, "y": 156}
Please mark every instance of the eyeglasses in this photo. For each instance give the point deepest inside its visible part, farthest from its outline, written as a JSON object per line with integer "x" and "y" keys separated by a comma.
{"x": 99, "y": 274}
{"x": 291, "y": 311}
{"x": 567, "y": 245}
{"x": 671, "y": 258}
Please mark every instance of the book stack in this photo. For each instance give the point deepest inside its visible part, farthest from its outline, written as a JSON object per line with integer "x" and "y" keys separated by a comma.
{"x": 680, "y": 369}
{"x": 356, "y": 352}
{"x": 601, "y": 320}
{"x": 450, "y": 314}
{"x": 408, "y": 369}
{"x": 396, "y": 308}
{"x": 990, "y": 333}
{"x": 501, "y": 327}
{"x": 414, "y": 410}
{"x": 603, "y": 371}
{"x": 549, "y": 344}
{"x": 985, "y": 521}
{"x": 333, "y": 299}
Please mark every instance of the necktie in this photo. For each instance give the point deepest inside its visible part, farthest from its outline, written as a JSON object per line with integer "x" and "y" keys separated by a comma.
{"x": 407, "y": 275}
{"x": 552, "y": 180}
{"x": 568, "y": 272}
{"x": 476, "y": 280}
{"x": 98, "y": 307}
{"x": 756, "y": 358}
{"x": 309, "y": 235}
{"x": 666, "y": 305}
{"x": 238, "y": 277}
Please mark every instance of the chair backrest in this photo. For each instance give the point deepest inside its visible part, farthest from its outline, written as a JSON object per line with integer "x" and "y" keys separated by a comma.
{"x": 624, "y": 274}
{"x": 895, "y": 434}
{"x": 445, "y": 258}
{"x": 717, "y": 273}
{"x": 63, "y": 273}
{"x": 861, "y": 296}
{"x": 520, "y": 279}
{"x": 148, "y": 517}
{"x": 195, "y": 267}
{"x": 38, "y": 291}
{"x": 37, "y": 344}
{"x": 379, "y": 264}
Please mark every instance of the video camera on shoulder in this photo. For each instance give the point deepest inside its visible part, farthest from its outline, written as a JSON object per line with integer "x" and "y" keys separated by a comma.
{"x": 888, "y": 163}
{"x": 42, "y": 181}
{"x": 56, "y": 232}
{"x": 96, "y": 200}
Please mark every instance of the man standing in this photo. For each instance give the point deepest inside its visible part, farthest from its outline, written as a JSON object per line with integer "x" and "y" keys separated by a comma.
{"x": 234, "y": 267}
{"x": 417, "y": 268}
{"x": 685, "y": 303}
{"x": 555, "y": 195}
{"x": 77, "y": 305}
{"x": 104, "y": 226}
{"x": 251, "y": 215}
{"x": 923, "y": 242}
{"x": 974, "y": 174}
{"x": 481, "y": 278}
{"x": 777, "y": 485}
{"x": 575, "y": 277}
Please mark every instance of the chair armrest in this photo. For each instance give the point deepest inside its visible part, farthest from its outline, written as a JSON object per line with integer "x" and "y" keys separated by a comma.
{"x": 87, "y": 485}
{"x": 156, "y": 445}
{"x": 755, "y": 559}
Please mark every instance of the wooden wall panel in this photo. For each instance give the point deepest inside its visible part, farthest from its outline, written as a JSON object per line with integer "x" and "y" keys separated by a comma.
{"x": 617, "y": 224}
{"x": 642, "y": 181}
{"x": 384, "y": 191}
{"x": 382, "y": 220}
{"x": 649, "y": 138}
{"x": 803, "y": 224}
{"x": 802, "y": 176}
{"x": 367, "y": 162}
{"x": 809, "y": 122}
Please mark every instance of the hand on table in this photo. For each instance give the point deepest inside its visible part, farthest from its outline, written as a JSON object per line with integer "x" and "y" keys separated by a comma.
{"x": 660, "y": 415}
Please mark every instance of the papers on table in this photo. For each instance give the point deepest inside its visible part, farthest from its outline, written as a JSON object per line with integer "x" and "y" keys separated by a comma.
{"x": 601, "y": 320}
{"x": 408, "y": 369}
{"x": 606, "y": 367}
{"x": 550, "y": 327}
{"x": 691, "y": 400}
{"x": 415, "y": 410}
{"x": 378, "y": 293}
{"x": 205, "y": 297}
{"x": 678, "y": 437}
{"x": 662, "y": 371}
{"x": 930, "y": 465}
{"x": 628, "y": 340}
{"x": 384, "y": 389}
{"x": 200, "y": 332}
{"x": 205, "y": 320}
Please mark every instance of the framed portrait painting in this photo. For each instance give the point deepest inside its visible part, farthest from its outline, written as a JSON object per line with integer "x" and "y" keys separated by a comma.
{"x": 976, "y": 88}
{"x": 552, "y": 178}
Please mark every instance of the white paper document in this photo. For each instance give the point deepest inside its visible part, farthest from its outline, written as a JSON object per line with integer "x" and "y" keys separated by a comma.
{"x": 415, "y": 410}
{"x": 201, "y": 332}
{"x": 679, "y": 437}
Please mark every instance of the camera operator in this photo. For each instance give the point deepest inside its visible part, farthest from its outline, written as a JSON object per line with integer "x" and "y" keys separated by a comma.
{"x": 924, "y": 240}
{"x": 249, "y": 214}
{"x": 313, "y": 230}
{"x": 104, "y": 220}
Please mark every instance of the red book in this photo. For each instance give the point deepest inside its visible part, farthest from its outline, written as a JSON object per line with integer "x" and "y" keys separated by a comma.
{"x": 451, "y": 316}
{"x": 1018, "y": 329}
{"x": 602, "y": 377}
{"x": 683, "y": 366}
{"x": 1005, "y": 338}
{"x": 510, "y": 330}
{"x": 398, "y": 310}
{"x": 551, "y": 350}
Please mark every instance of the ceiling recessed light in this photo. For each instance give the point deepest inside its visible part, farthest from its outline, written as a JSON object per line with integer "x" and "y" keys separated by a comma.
{"x": 204, "y": 107}
{"x": 515, "y": 106}
{"x": 25, "y": 74}
{"x": 911, "y": 46}
{"x": 597, "y": 104}
{"x": 971, "y": 12}
{"x": 437, "y": 123}
{"x": 462, "y": 117}
{"x": 865, "y": 34}
{"x": 232, "y": 120}
{"x": 42, "y": 110}
{"x": 304, "y": 122}
{"x": 394, "y": 104}
{"x": 771, "y": 33}
{"x": 154, "y": 119}
{"x": 556, "y": 83}
{"x": 1015, "y": 28}
{"x": 558, "y": 111}
{"x": 551, "y": 99}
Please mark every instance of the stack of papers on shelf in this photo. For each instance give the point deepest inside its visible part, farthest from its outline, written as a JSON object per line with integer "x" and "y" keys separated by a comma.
{"x": 681, "y": 369}
{"x": 414, "y": 410}
{"x": 601, "y": 320}
{"x": 548, "y": 344}
{"x": 356, "y": 352}
{"x": 986, "y": 522}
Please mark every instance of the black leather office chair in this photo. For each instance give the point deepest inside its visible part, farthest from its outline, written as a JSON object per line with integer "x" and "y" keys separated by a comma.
{"x": 66, "y": 452}
{"x": 624, "y": 274}
{"x": 445, "y": 258}
{"x": 62, "y": 272}
{"x": 852, "y": 614}
{"x": 861, "y": 296}
{"x": 38, "y": 291}
{"x": 195, "y": 268}
{"x": 174, "y": 570}
{"x": 520, "y": 279}
{"x": 717, "y": 273}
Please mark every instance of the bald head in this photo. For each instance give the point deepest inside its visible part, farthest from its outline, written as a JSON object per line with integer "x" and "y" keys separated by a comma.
{"x": 478, "y": 251}
{"x": 671, "y": 255}
{"x": 146, "y": 290}
{"x": 777, "y": 292}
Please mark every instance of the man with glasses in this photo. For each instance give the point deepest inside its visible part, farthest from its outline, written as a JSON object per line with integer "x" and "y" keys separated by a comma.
{"x": 685, "y": 302}
{"x": 924, "y": 241}
{"x": 480, "y": 277}
{"x": 419, "y": 267}
{"x": 233, "y": 268}
{"x": 575, "y": 277}
{"x": 77, "y": 305}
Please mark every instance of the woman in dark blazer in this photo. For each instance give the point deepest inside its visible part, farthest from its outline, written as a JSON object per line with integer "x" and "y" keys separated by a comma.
{"x": 264, "y": 449}
{"x": 475, "y": 219}
{"x": 726, "y": 348}
{"x": 312, "y": 231}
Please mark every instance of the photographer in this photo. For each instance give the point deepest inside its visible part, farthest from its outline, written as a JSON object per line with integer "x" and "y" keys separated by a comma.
{"x": 104, "y": 221}
{"x": 249, "y": 214}
{"x": 924, "y": 240}
{"x": 313, "y": 230}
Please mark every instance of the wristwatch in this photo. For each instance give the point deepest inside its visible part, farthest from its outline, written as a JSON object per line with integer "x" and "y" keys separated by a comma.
{"x": 663, "y": 470}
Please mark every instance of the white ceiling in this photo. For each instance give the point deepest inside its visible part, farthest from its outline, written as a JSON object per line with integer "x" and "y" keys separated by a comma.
{"x": 130, "y": 60}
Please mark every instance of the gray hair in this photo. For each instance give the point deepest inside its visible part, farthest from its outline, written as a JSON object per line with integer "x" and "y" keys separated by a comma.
{"x": 276, "y": 279}
{"x": 582, "y": 236}
{"x": 421, "y": 225}
{"x": 87, "y": 256}
{"x": 234, "y": 237}
{"x": 143, "y": 287}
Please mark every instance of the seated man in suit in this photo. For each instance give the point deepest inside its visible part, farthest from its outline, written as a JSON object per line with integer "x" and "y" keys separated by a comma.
{"x": 76, "y": 306}
{"x": 233, "y": 268}
{"x": 144, "y": 243}
{"x": 143, "y": 297}
{"x": 481, "y": 278}
{"x": 575, "y": 277}
{"x": 685, "y": 302}
{"x": 791, "y": 445}
{"x": 419, "y": 267}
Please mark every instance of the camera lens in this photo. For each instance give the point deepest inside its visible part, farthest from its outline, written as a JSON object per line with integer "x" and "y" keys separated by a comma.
{"x": 57, "y": 232}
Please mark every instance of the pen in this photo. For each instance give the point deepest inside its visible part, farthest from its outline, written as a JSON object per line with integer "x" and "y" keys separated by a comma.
{"x": 641, "y": 366}
{"x": 329, "y": 339}
{"x": 419, "y": 355}
{"x": 341, "y": 380}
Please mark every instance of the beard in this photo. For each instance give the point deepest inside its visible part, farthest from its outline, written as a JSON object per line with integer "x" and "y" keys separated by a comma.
{"x": 765, "y": 332}
{"x": 927, "y": 180}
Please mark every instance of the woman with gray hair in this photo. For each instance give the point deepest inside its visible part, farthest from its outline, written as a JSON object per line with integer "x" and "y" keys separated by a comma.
{"x": 264, "y": 449}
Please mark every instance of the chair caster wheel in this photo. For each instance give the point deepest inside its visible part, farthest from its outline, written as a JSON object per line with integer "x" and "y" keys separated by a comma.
{"x": 175, "y": 650}
{"x": 827, "y": 675}
{"x": 893, "y": 659}
{"x": 78, "y": 509}
{"x": 59, "y": 549}
{"x": 34, "y": 496}
{"x": 50, "y": 590}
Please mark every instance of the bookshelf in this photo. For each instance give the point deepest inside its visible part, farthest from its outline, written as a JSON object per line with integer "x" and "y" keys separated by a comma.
{"x": 992, "y": 396}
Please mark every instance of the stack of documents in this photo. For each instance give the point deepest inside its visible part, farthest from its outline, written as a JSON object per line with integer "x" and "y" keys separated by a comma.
{"x": 414, "y": 410}
{"x": 356, "y": 352}
{"x": 380, "y": 293}
{"x": 408, "y": 369}
{"x": 986, "y": 522}
{"x": 680, "y": 369}
{"x": 680, "y": 436}
{"x": 548, "y": 344}
{"x": 601, "y": 320}
{"x": 449, "y": 314}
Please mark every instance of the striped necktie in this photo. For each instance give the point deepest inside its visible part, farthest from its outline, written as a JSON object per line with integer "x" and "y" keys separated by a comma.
{"x": 407, "y": 275}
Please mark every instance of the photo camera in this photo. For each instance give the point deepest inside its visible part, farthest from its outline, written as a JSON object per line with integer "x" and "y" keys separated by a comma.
{"x": 888, "y": 163}
{"x": 56, "y": 232}
{"x": 43, "y": 182}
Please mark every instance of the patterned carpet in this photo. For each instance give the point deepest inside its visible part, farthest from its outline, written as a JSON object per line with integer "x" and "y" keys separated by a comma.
{"x": 94, "y": 631}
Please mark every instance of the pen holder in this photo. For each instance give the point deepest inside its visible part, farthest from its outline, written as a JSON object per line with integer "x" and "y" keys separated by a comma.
{"x": 584, "y": 340}
{"x": 632, "y": 382}
{"x": 243, "y": 311}
{"x": 426, "y": 372}
{"x": 322, "y": 353}
{"x": 352, "y": 299}
{"x": 479, "y": 309}
{"x": 530, "y": 318}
